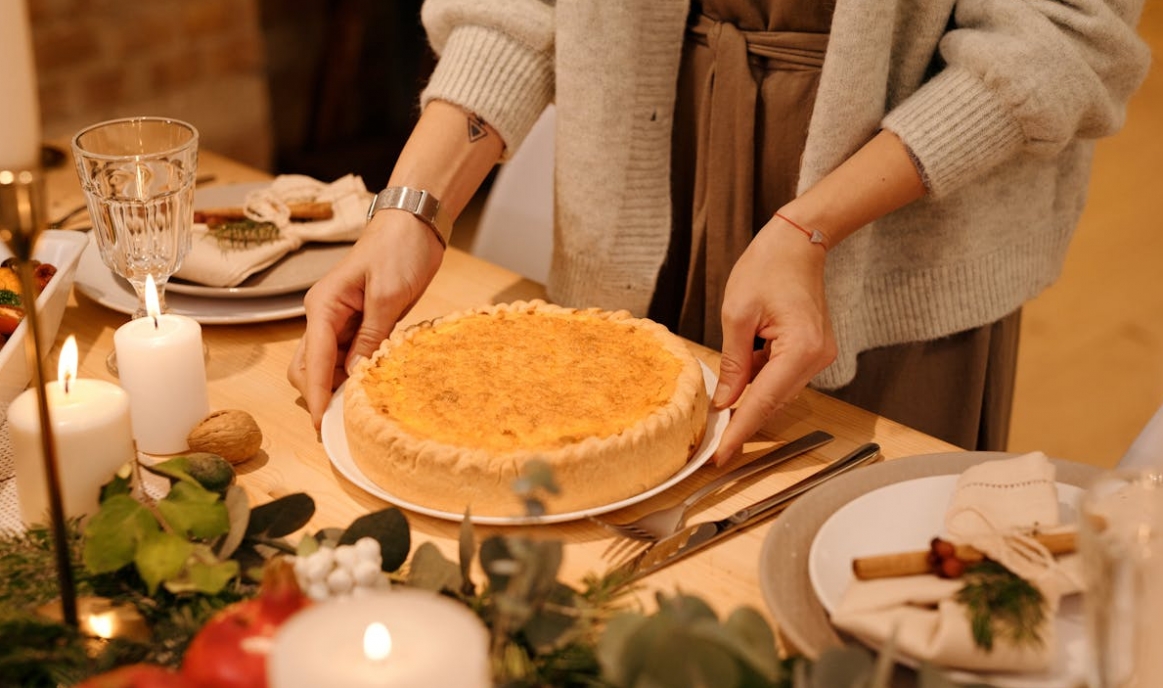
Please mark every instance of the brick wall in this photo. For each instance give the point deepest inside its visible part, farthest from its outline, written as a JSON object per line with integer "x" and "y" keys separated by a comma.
{"x": 202, "y": 61}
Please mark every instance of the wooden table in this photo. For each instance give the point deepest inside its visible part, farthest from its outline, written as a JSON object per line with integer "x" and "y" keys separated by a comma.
{"x": 247, "y": 370}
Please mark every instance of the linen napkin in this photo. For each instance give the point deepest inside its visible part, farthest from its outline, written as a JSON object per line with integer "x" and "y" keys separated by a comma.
{"x": 994, "y": 505}
{"x": 217, "y": 263}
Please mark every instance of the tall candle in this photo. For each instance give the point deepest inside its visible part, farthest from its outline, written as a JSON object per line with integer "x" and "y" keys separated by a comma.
{"x": 19, "y": 103}
{"x": 396, "y": 639}
{"x": 160, "y": 364}
{"x": 91, "y": 428}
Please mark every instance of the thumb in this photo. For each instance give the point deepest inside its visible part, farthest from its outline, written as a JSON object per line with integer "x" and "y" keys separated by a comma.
{"x": 734, "y": 365}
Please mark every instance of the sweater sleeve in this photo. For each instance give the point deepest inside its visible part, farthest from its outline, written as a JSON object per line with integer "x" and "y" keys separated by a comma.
{"x": 495, "y": 60}
{"x": 1021, "y": 77}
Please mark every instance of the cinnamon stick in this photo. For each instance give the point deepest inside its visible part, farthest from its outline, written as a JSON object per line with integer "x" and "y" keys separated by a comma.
{"x": 303, "y": 212}
{"x": 919, "y": 562}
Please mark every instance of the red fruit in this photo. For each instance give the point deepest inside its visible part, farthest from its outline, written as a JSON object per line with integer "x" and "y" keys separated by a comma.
{"x": 138, "y": 676}
{"x": 230, "y": 651}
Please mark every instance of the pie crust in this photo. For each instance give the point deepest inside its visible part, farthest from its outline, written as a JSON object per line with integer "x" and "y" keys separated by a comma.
{"x": 446, "y": 413}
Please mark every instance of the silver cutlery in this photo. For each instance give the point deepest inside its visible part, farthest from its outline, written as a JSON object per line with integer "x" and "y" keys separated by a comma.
{"x": 663, "y": 522}
{"x": 699, "y": 536}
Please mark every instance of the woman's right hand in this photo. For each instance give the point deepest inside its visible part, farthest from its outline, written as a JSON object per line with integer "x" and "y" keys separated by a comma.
{"x": 357, "y": 304}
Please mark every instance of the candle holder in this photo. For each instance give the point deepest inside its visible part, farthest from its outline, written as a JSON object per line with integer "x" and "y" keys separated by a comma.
{"x": 22, "y": 213}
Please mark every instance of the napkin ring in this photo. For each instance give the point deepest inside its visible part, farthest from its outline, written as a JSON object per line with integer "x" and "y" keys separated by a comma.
{"x": 420, "y": 203}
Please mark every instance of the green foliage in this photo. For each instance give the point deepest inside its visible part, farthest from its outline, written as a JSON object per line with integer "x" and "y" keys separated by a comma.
{"x": 1002, "y": 604}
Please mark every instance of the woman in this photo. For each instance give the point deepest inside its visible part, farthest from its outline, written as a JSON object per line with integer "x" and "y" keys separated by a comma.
{"x": 873, "y": 189}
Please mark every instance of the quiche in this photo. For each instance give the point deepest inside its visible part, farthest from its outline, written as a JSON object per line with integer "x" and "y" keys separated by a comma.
{"x": 446, "y": 413}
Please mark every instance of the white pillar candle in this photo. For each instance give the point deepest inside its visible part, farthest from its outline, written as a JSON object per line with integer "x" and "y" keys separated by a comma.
{"x": 91, "y": 428}
{"x": 429, "y": 641}
{"x": 19, "y": 101}
{"x": 161, "y": 366}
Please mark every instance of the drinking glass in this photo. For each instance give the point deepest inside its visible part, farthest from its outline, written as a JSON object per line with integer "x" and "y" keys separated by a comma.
{"x": 1121, "y": 542}
{"x": 138, "y": 177}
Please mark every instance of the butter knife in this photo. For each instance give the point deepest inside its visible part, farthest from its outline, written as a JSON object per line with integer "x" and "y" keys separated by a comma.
{"x": 699, "y": 536}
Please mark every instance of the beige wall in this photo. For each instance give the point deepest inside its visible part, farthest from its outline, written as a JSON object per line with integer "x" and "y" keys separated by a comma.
{"x": 198, "y": 60}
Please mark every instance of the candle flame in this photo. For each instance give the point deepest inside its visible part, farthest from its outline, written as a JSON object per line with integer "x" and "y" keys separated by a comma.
{"x": 152, "y": 304}
{"x": 67, "y": 363}
{"x": 101, "y": 625}
{"x": 377, "y": 642}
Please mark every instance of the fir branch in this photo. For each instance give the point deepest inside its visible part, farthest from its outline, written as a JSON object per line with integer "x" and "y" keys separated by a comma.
{"x": 1002, "y": 605}
{"x": 238, "y": 234}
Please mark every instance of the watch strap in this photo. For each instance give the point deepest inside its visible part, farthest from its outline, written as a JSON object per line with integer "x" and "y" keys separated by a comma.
{"x": 420, "y": 203}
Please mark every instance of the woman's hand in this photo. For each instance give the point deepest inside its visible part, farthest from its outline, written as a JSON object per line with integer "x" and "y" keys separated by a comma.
{"x": 358, "y": 303}
{"x": 775, "y": 292}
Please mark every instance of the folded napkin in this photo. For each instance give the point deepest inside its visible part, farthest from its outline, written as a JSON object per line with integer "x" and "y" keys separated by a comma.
{"x": 994, "y": 505}
{"x": 217, "y": 263}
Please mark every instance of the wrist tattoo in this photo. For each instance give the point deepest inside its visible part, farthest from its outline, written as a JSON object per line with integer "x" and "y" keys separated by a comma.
{"x": 476, "y": 129}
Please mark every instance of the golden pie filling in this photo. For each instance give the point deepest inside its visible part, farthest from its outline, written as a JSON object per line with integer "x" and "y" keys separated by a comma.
{"x": 445, "y": 413}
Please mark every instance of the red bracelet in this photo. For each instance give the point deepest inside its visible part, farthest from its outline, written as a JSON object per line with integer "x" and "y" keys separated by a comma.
{"x": 814, "y": 235}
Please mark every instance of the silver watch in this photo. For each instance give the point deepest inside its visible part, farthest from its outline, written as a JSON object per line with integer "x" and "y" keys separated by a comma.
{"x": 418, "y": 202}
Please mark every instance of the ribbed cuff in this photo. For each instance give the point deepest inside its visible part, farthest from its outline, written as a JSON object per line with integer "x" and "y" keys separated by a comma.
{"x": 489, "y": 74}
{"x": 955, "y": 128}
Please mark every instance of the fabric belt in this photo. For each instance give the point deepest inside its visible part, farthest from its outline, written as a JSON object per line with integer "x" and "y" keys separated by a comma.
{"x": 724, "y": 183}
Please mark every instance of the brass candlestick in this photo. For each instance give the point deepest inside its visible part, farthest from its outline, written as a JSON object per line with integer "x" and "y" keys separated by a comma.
{"x": 21, "y": 221}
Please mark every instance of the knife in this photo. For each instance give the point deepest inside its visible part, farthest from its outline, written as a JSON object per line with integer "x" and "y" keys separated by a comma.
{"x": 699, "y": 536}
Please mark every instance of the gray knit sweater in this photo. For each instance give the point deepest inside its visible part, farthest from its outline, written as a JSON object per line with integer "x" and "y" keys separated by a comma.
{"x": 999, "y": 102}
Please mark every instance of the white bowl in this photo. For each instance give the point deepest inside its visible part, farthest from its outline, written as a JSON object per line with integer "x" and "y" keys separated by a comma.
{"x": 61, "y": 248}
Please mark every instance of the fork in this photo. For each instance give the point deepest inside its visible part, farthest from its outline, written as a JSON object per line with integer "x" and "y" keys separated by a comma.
{"x": 658, "y": 524}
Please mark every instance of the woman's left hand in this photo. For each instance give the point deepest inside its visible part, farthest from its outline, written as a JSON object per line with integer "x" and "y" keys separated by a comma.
{"x": 775, "y": 292}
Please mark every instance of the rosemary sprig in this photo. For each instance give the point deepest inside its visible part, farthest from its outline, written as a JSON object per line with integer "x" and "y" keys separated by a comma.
{"x": 1002, "y": 604}
{"x": 244, "y": 233}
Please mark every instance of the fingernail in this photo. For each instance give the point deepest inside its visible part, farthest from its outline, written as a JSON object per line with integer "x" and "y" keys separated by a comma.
{"x": 720, "y": 396}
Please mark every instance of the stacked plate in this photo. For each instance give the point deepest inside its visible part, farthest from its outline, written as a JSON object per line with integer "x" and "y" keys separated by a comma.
{"x": 896, "y": 506}
{"x": 273, "y": 294}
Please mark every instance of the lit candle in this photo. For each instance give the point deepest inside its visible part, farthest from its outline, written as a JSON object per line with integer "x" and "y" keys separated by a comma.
{"x": 20, "y": 112}
{"x": 159, "y": 361}
{"x": 397, "y": 639}
{"x": 91, "y": 428}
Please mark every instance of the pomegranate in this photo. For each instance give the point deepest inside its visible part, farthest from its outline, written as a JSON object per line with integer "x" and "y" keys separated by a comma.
{"x": 230, "y": 651}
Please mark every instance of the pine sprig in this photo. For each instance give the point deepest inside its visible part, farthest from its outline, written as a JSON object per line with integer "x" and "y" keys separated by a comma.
{"x": 244, "y": 233}
{"x": 1002, "y": 604}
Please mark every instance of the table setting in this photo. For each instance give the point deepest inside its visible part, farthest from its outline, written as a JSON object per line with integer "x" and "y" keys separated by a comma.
{"x": 343, "y": 580}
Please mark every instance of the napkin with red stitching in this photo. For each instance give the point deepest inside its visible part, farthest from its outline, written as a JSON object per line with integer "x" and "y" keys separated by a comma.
{"x": 218, "y": 261}
{"x": 994, "y": 503}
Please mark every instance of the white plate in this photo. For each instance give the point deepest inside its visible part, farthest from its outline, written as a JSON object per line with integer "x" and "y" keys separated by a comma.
{"x": 876, "y": 523}
{"x": 897, "y": 505}
{"x": 98, "y": 282}
{"x": 335, "y": 444}
{"x": 295, "y": 272}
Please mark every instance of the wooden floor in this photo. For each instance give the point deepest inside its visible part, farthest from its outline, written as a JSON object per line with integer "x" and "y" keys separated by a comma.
{"x": 1090, "y": 369}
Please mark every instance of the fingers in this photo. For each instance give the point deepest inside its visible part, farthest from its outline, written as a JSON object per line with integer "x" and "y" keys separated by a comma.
{"x": 777, "y": 383}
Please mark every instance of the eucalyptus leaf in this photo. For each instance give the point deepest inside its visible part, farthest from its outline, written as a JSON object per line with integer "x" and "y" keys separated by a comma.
{"x": 466, "y": 547}
{"x": 113, "y": 533}
{"x": 430, "y": 570}
{"x": 307, "y": 546}
{"x": 281, "y": 517}
{"x": 753, "y": 640}
{"x": 203, "y": 573}
{"x": 329, "y": 537}
{"x": 389, "y": 527}
{"x": 623, "y": 647}
{"x": 550, "y": 629}
{"x": 161, "y": 556}
{"x": 842, "y": 666}
{"x": 173, "y": 468}
{"x": 194, "y": 511}
{"x": 539, "y": 474}
{"x": 238, "y": 511}
{"x": 120, "y": 484}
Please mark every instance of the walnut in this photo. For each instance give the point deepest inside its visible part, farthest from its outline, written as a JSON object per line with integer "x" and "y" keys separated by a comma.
{"x": 234, "y": 435}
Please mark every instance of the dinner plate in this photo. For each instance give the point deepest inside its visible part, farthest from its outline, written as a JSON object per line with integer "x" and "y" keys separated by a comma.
{"x": 786, "y": 557}
{"x": 98, "y": 282}
{"x": 295, "y": 272}
{"x": 335, "y": 444}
